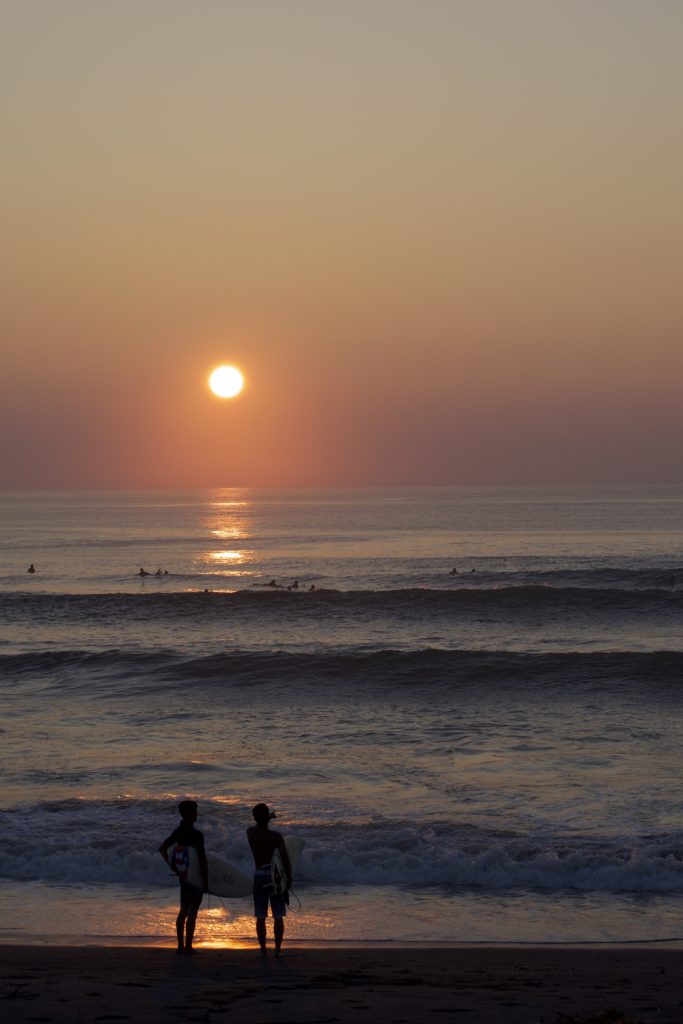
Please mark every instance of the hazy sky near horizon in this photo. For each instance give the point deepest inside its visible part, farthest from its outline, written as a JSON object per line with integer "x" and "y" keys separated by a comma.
{"x": 442, "y": 240}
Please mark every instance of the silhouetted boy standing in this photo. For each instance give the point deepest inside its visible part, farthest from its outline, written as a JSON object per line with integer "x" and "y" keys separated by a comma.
{"x": 186, "y": 836}
{"x": 264, "y": 841}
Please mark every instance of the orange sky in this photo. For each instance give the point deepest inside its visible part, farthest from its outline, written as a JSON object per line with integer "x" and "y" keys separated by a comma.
{"x": 442, "y": 240}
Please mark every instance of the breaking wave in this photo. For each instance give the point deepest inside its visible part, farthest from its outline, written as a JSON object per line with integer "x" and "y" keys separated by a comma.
{"x": 116, "y": 842}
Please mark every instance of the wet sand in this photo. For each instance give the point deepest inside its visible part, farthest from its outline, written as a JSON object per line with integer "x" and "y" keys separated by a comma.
{"x": 369, "y": 985}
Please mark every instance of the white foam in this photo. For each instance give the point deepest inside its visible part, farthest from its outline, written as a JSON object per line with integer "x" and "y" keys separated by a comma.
{"x": 78, "y": 841}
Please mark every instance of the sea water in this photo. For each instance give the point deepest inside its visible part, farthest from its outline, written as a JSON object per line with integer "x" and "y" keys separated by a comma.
{"x": 466, "y": 701}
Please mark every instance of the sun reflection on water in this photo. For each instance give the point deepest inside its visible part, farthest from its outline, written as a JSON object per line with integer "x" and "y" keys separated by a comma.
{"x": 228, "y": 519}
{"x": 228, "y": 556}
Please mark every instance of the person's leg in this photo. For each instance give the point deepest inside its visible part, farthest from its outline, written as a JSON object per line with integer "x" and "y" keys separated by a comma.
{"x": 180, "y": 926}
{"x": 261, "y": 907}
{"x": 190, "y": 926}
{"x": 278, "y": 907}
{"x": 279, "y": 931}
{"x": 261, "y": 934}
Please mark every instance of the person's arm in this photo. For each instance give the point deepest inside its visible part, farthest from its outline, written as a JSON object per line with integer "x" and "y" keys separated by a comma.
{"x": 163, "y": 850}
{"x": 205, "y": 870}
{"x": 203, "y": 865}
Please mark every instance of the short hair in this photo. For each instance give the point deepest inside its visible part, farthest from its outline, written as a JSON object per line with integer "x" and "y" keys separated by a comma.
{"x": 186, "y": 807}
{"x": 261, "y": 814}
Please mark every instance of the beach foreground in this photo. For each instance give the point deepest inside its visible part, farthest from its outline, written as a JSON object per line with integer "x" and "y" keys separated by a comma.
{"x": 473, "y": 985}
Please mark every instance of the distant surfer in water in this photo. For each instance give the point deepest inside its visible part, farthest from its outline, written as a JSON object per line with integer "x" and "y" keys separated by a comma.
{"x": 186, "y": 835}
{"x": 264, "y": 841}
{"x": 31, "y": 568}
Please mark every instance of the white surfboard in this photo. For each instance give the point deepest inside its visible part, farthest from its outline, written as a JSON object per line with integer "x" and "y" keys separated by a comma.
{"x": 278, "y": 874}
{"x": 224, "y": 879}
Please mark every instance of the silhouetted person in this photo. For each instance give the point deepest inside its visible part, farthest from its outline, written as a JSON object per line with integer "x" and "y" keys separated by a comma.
{"x": 31, "y": 568}
{"x": 264, "y": 841}
{"x": 184, "y": 836}
{"x": 143, "y": 572}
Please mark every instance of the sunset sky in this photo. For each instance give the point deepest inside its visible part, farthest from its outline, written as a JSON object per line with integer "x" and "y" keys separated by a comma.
{"x": 442, "y": 241}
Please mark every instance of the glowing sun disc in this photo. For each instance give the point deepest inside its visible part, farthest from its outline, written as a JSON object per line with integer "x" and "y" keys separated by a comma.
{"x": 226, "y": 382}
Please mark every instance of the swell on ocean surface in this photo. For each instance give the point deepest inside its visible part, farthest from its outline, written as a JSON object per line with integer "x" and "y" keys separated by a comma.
{"x": 535, "y": 617}
{"x": 508, "y": 618}
{"x": 417, "y": 600}
{"x": 96, "y": 841}
{"x": 425, "y": 669}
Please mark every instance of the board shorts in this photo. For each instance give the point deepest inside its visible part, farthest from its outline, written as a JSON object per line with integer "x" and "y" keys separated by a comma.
{"x": 263, "y": 895}
{"x": 190, "y": 894}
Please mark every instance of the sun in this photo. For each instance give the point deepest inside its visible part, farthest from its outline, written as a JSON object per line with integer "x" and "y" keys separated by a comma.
{"x": 226, "y": 381}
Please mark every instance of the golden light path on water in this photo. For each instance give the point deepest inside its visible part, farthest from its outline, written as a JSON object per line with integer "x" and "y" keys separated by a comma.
{"x": 228, "y": 521}
{"x": 227, "y": 556}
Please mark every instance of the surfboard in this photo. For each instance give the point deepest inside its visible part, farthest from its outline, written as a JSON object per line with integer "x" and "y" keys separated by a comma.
{"x": 224, "y": 879}
{"x": 278, "y": 874}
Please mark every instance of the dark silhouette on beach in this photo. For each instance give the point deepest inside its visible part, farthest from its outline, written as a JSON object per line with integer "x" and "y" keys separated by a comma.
{"x": 264, "y": 841}
{"x": 182, "y": 837}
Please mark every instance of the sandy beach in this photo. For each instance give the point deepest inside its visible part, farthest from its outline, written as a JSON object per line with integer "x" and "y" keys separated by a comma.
{"x": 472, "y": 985}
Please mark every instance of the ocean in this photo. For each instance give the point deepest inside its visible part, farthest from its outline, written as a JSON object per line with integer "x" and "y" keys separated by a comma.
{"x": 467, "y": 702}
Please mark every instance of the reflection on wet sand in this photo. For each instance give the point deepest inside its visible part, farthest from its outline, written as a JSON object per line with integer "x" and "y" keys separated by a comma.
{"x": 226, "y": 924}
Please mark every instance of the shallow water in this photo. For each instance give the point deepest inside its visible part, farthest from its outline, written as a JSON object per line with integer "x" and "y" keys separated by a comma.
{"x": 387, "y": 914}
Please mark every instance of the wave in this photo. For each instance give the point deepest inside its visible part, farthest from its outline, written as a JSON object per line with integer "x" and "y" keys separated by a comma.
{"x": 429, "y": 668}
{"x": 81, "y": 841}
{"x": 206, "y": 604}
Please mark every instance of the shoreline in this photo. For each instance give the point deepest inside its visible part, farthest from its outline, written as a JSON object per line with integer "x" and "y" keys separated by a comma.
{"x": 473, "y": 984}
{"x": 249, "y": 942}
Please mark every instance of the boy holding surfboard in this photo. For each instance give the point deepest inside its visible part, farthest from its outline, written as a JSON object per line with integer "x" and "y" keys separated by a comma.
{"x": 264, "y": 842}
{"x": 184, "y": 837}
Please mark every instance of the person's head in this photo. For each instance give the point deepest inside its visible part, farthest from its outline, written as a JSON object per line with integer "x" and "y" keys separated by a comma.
{"x": 188, "y": 810}
{"x": 262, "y": 814}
